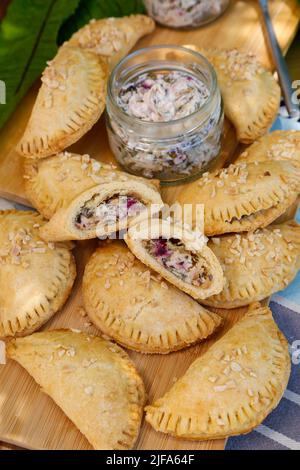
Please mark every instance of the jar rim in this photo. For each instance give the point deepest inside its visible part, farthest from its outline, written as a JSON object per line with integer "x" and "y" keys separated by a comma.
{"x": 135, "y": 120}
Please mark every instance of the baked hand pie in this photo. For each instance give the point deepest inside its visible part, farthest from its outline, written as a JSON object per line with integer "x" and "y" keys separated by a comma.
{"x": 113, "y": 38}
{"x": 244, "y": 196}
{"x": 250, "y": 93}
{"x": 135, "y": 307}
{"x": 53, "y": 182}
{"x": 231, "y": 388}
{"x": 36, "y": 278}
{"x": 277, "y": 145}
{"x": 70, "y": 101}
{"x": 106, "y": 208}
{"x": 256, "y": 264}
{"x": 90, "y": 379}
{"x": 178, "y": 254}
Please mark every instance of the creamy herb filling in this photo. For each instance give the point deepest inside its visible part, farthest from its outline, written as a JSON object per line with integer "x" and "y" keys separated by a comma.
{"x": 163, "y": 97}
{"x": 182, "y": 13}
{"x": 184, "y": 264}
{"x": 109, "y": 212}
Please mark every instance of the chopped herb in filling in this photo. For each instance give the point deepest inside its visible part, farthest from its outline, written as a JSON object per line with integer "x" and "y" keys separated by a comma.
{"x": 108, "y": 212}
{"x": 186, "y": 265}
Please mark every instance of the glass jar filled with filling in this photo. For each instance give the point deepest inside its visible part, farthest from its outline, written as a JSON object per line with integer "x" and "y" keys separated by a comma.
{"x": 185, "y": 13}
{"x": 165, "y": 114}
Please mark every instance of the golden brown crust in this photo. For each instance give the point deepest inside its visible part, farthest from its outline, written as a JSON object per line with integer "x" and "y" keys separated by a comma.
{"x": 232, "y": 387}
{"x": 90, "y": 379}
{"x": 277, "y": 145}
{"x": 256, "y": 265}
{"x": 70, "y": 101}
{"x": 245, "y": 196}
{"x": 251, "y": 94}
{"x": 213, "y": 281}
{"x": 36, "y": 277}
{"x": 53, "y": 182}
{"x": 131, "y": 304}
{"x": 113, "y": 38}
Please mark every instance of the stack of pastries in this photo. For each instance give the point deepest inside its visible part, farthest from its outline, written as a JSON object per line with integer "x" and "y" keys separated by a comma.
{"x": 149, "y": 291}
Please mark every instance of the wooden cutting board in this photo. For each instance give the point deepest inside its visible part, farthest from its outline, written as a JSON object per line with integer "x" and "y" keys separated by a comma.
{"x": 28, "y": 418}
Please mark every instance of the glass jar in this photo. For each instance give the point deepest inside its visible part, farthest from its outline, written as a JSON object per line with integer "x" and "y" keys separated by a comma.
{"x": 170, "y": 151}
{"x": 185, "y": 13}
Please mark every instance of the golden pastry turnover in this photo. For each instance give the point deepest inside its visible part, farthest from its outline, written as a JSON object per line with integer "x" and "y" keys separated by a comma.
{"x": 52, "y": 183}
{"x": 231, "y": 388}
{"x": 115, "y": 200}
{"x": 36, "y": 277}
{"x": 92, "y": 380}
{"x": 244, "y": 196}
{"x": 138, "y": 309}
{"x": 250, "y": 93}
{"x": 256, "y": 264}
{"x": 70, "y": 101}
{"x": 178, "y": 254}
{"x": 277, "y": 145}
{"x": 113, "y": 38}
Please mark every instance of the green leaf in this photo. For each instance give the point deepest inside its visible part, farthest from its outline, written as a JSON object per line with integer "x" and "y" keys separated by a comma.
{"x": 98, "y": 9}
{"x": 28, "y": 38}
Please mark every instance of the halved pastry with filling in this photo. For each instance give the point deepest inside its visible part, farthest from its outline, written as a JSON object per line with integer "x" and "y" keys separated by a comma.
{"x": 103, "y": 209}
{"x": 113, "y": 38}
{"x": 278, "y": 145}
{"x": 179, "y": 254}
{"x": 36, "y": 278}
{"x": 244, "y": 196}
{"x": 250, "y": 92}
{"x": 92, "y": 380}
{"x": 69, "y": 102}
{"x": 152, "y": 316}
{"x": 53, "y": 182}
{"x": 231, "y": 388}
{"x": 256, "y": 264}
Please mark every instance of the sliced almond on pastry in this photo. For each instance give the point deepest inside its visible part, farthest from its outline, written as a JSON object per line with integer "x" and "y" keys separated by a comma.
{"x": 113, "y": 38}
{"x": 244, "y": 196}
{"x": 36, "y": 278}
{"x": 90, "y": 379}
{"x": 53, "y": 182}
{"x": 130, "y": 303}
{"x": 178, "y": 254}
{"x": 256, "y": 264}
{"x": 251, "y": 94}
{"x": 232, "y": 387}
{"x": 104, "y": 209}
{"x": 70, "y": 101}
{"x": 278, "y": 145}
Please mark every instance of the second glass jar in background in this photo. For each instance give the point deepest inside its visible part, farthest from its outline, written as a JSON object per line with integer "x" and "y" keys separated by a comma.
{"x": 185, "y": 13}
{"x": 171, "y": 151}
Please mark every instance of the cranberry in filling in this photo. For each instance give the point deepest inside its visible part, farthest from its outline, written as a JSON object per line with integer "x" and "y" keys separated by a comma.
{"x": 186, "y": 265}
{"x": 108, "y": 212}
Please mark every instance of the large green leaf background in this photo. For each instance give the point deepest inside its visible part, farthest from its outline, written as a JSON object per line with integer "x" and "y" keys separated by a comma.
{"x": 31, "y": 31}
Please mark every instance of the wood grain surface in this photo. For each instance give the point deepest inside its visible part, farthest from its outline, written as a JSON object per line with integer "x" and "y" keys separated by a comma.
{"x": 30, "y": 419}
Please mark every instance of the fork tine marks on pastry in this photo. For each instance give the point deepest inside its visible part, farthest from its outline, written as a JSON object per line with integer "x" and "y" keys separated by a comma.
{"x": 231, "y": 388}
{"x": 244, "y": 196}
{"x": 70, "y": 101}
{"x": 137, "y": 308}
{"x": 250, "y": 92}
{"x": 72, "y": 96}
{"x": 256, "y": 264}
{"x": 36, "y": 278}
{"x": 92, "y": 380}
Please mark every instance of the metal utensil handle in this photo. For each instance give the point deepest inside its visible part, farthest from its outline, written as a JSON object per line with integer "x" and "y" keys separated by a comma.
{"x": 282, "y": 70}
